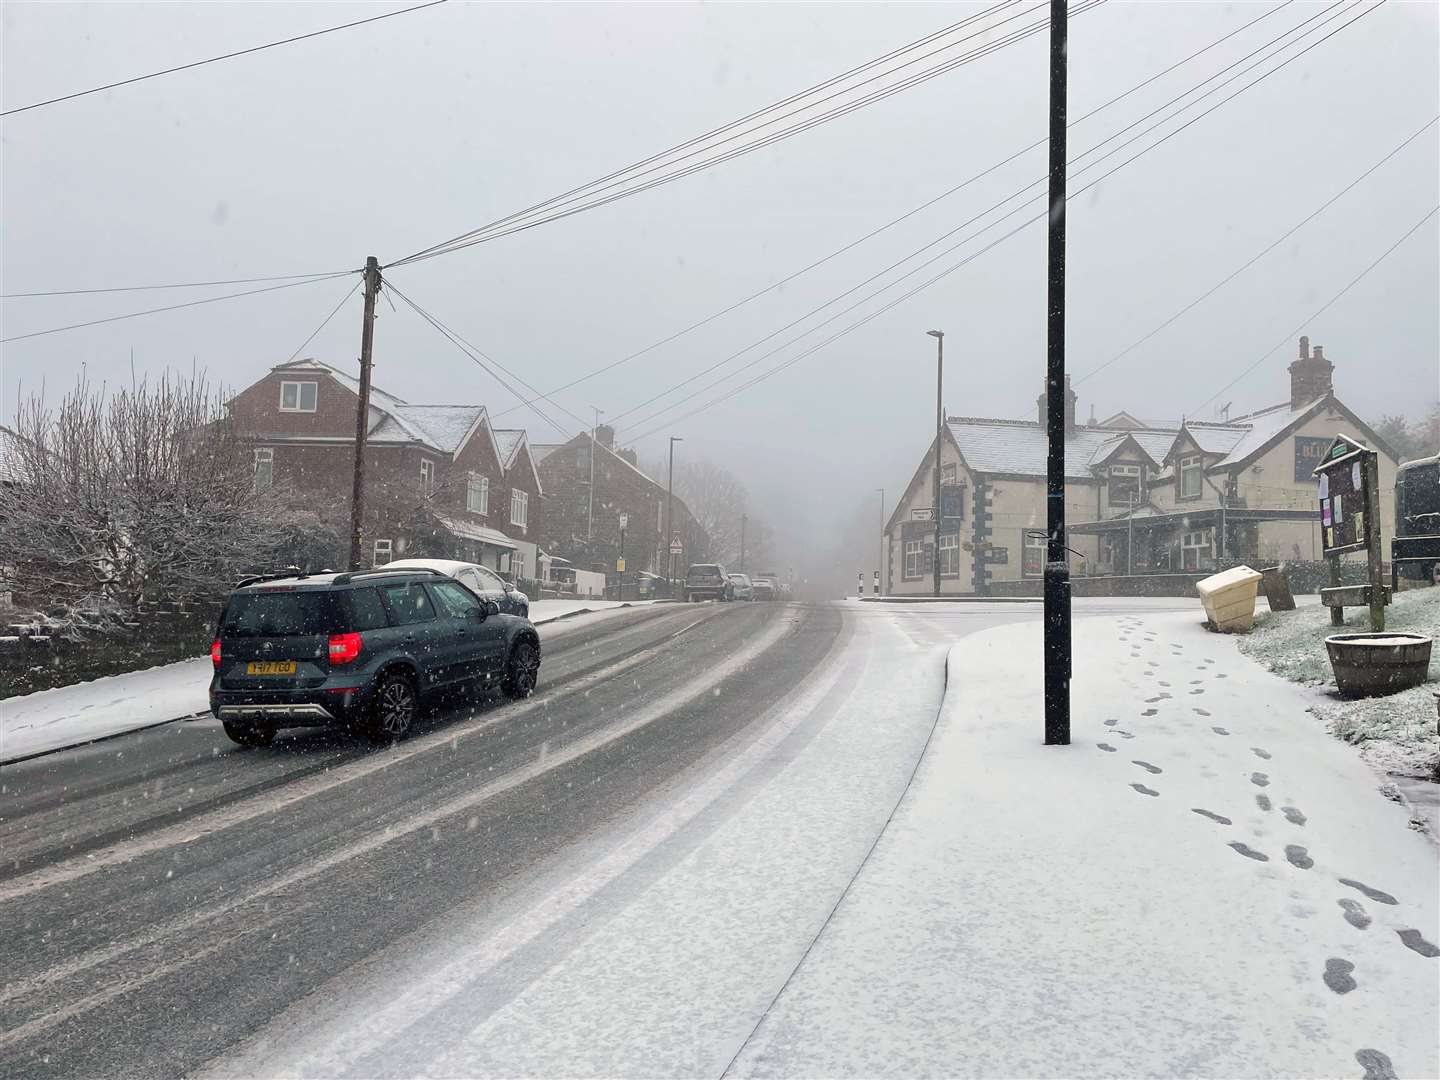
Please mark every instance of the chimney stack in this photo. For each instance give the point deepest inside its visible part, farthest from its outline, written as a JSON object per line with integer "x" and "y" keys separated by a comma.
{"x": 1042, "y": 405}
{"x": 1310, "y": 375}
{"x": 605, "y": 436}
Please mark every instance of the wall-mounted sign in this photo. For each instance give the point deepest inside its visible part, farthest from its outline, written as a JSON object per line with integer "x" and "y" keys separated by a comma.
{"x": 997, "y": 555}
{"x": 1343, "y": 489}
{"x": 1309, "y": 453}
{"x": 952, "y": 502}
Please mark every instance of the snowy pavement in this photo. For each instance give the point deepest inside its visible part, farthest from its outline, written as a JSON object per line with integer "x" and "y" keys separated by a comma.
{"x": 73, "y": 715}
{"x": 1205, "y": 883}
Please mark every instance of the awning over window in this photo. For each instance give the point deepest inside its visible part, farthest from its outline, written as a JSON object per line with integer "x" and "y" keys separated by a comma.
{"x": 466, "y": 530}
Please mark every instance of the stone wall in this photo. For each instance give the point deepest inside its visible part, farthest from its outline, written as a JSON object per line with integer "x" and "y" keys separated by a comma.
{"x": 1304, "y": 577}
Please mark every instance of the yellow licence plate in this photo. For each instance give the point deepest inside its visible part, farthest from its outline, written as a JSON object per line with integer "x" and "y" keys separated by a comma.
{"x": 270, "y": 667}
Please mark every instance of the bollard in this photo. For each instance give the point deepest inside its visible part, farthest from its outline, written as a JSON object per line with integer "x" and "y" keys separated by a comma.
{"x": 861, "y": 576}
{"x": 876, "y": 589}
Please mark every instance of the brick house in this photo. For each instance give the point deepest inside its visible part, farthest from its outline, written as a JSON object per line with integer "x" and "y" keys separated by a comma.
{"x": 1138, "y": 498}
{"x": 440, "y": 481}
{"x": 621, "y": 487}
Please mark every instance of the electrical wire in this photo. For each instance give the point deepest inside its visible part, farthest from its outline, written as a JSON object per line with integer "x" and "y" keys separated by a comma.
{"x": 1011, "y": 213}
{"x": 799, "y": 127}
{"x": 1261, "y": 254}
{"x": 826, "y": 84}
{"x": 172, "y": 285}
{"x": 963, "y": 262}
{"x": 175, "y": 307}
{"x": 903, "y": 217}
{"x": 217, "y": 59}
{"x": 1289, "y": 336}
{"x": 324, "y": 322}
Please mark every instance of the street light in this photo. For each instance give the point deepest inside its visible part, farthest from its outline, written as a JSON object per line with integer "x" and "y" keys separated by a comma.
{"x": 590, "y": 518}
{"x": 884, "y": 563}
{"x": 939, "y": 336}
{"x": 670, "y": 512}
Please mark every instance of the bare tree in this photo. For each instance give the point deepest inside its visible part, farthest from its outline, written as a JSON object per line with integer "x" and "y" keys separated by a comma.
{"x": 145, "y": 492}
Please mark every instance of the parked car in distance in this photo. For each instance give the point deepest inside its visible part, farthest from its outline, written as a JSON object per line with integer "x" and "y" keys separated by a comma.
{"x": 708, "y": 581}
{"x": 481, "y": 580}
{"x": 740, "y": 587}
{"x": 763, "y": 588}
{"x": 364, "y": 649}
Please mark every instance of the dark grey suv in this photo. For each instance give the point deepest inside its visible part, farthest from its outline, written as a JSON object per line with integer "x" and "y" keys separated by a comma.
{"x": 363, "y": 649}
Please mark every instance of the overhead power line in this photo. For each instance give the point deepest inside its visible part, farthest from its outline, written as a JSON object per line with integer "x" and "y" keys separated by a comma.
{"x": 556, "y": 210}
{"x": 172, "y": 285}
{"x": 174, "y": 307}
{"x": 996, "y": 206}
{"x": 1259, "y": 255}
{"x": 217, "y": 59}
{"x": 676, "y": 335}
{"x": 1290, "y": 335}
{"x": 326, "y": 321}
{"x": 970, "y": 258}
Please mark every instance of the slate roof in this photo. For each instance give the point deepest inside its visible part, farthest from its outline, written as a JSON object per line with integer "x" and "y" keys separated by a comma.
{"x": 442, "y": 426}
{"x": 1214, "y": 438}
{"x": 1018, "y": 447}
{"x": 540, "y": 451}
{"x": 508, "y": 440}
{"x": 1263, "y": 426}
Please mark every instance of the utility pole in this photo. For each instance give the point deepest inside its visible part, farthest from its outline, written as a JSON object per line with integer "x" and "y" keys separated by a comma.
{"x": 590, "y": 519}
{"x": 939, "y": 336}
{"x": 1057, "y": 568}
{"x": 362, "y": 414}
{"x": 670, "y": 512}
{"x": 884, "y": 562}
{"x": 743, "y": 519}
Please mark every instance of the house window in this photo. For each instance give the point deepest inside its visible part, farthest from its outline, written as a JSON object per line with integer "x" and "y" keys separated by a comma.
{"x": 519, "y": 507}
{"x": 914, "y": 558}
{"x": 1195, "y": 550}
{"x": 298, "y": 396}
{"x": 950, "y": 555}
{"x": 947, "y": 473}
{"x": 427, "y": 476}
{"x": 383, "y": 553}
{"x": 1033, "y": 564}
{"x": 1124, "y": 485}
{"x": 477, "y": 495}
{"x": 264, "y": 468}
{"x": 1190, "y": 471}
{"x": 517, "y": 565}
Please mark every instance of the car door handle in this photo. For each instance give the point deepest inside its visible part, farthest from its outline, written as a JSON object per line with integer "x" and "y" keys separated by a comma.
{"x": 410, "y": 637}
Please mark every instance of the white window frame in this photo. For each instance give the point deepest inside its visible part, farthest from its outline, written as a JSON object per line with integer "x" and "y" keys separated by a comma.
{"x": 1201, "y": 542}
{"x": 481, "y": 485}
{"x": 517, "y": 565}
{"x": 300, "y": 386}
{"x": 947, "y": 473}
{"x": 379, "y": 548}
{"x": 1191, "y": 464}
{"x": 1127, "y": 471}
{"x": 950, "y": 555}
{"x": 1029, "y": 543}
{"x": 914, "y": 559}
{"x": 519, "y": 507}
{"x": 265, "y": 456}
{"x": 427, "y": 476}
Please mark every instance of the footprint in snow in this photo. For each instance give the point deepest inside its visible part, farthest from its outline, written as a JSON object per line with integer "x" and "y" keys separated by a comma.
{"x": 1294, "y": 816}
{"x": 1263, "y": 801}
{"x": 1376, "y": 1065}
{"x": 1354, "y": 913}
{"x": 1219, "y": 731}
{"x": 1200, "y": 712}
{"x": 1212, "y": 816}
{"x": 1415, "y": 942}
{"x": 1374, "y": 894}
{"x": 1151, "y": 769}
{"x": 1259, "y": 779}
{"x": 1337, "y": 975}
{"x": 1198, "y": 690}
{"x": 1164, "y": 683}
{"x": 1123, "y": 733}
{"x": 1260, "y": 753}
{"x": 1221, "y": 675}
{"x": 1111, "y": 722}
{"x": 1106, "y": 747}
{"x": 1149, "y": 712}
{"x": 1298, "y": 857}
{"x": 1153, "y": 663}
{"x": 1196, "y": 682}
{"x": 1249, "y": 852}
{"x": 1143, "y": 790}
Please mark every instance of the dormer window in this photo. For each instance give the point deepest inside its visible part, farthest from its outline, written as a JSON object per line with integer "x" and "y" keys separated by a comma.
{"x": 1191, "y": 469}
{"x": 1125, "y": 485}
{"x": 298, "y": 396}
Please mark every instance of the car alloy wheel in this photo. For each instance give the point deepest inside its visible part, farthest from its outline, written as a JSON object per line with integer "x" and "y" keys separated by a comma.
{"x": 523, "y": 670}
{"x": 394, "y": 707}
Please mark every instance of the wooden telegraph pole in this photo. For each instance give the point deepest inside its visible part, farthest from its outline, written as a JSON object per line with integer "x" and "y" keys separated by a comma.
{"x": 362, "y": 414}
{"x": 1057, "y": 571}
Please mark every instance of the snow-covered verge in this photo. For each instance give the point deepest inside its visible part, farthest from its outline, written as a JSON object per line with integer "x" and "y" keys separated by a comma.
{"x": 83, "y": 712}
{"x": 1202, "y": 884}
{"x": 1397, "y": 732}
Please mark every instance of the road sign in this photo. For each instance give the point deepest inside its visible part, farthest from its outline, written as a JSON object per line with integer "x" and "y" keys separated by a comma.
{"x": 676, "y": 547}
{"x": 619, "y": 566}
{"x": 624, "y": 520}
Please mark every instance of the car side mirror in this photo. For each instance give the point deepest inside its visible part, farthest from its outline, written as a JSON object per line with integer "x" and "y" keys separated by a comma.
{"x": 488, "y": 608}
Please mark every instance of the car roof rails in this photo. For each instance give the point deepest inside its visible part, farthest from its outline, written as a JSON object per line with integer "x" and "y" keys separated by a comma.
{"x": 274, "y": 575}
{"x": 344, "y": 579}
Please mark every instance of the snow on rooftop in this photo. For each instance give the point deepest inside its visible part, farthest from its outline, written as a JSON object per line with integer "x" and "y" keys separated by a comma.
{"x": 1018, "y": 447}
{"x": 1264, "y": 426}
{"x": 508, "y": 440}
{"x": 442, "y": 426}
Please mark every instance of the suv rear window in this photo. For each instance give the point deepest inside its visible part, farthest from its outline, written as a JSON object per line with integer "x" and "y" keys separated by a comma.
{"x": 279, "y": 614}
{"x": 704, "y": 570}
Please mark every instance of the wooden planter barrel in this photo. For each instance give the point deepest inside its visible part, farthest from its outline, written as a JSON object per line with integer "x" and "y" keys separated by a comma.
{"x": 1370, "y": 664}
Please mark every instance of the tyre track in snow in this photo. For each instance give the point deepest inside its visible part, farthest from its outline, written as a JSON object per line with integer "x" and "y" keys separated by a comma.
{"x": 159, "y": 962}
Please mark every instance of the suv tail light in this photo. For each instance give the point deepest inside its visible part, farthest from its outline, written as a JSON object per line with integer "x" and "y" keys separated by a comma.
{"x": 344, "y": 648}
{"x": 215, "y": 653}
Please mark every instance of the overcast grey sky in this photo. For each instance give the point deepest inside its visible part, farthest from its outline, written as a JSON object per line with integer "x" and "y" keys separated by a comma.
{"x": 388, "y": 138}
